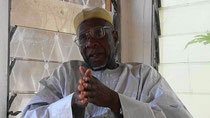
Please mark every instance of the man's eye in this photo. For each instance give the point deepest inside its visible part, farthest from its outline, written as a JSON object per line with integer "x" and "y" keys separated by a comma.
{"x": 82, "y": 38}
{"x": 99, "y": 33}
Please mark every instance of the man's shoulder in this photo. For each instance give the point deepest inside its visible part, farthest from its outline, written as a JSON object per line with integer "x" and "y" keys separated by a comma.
{"x": 143, "y": 67}
{"x": 72, "y": 64}
{"x": 69, "y": 66}
{"x": 134, "y": 64}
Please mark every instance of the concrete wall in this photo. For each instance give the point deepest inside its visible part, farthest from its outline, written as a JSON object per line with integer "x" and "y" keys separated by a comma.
{"x": 136, "y": 21}
{"x": 186, "y": 70}
{"x": 51, "y": 15}
{"x": 3, "y": 56}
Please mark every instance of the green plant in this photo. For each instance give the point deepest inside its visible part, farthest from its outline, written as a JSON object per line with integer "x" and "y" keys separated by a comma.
{"x": 205, "y": 39}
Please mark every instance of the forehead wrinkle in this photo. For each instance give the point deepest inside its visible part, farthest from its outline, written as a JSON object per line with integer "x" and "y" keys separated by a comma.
{"x": 90, "y": 23}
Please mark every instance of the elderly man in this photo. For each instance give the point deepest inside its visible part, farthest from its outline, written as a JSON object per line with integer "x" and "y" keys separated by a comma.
{"x": 100, "y": 87}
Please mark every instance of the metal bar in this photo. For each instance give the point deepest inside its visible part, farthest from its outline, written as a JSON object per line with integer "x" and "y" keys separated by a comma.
{"x": 11, "y": 65}
{"x": 159, "y": 3}
{"x": 119, "y": 28}
{"x": 12, "y": 98}
{"x": 14, "y": 113}
{"x": 45, "y": 30}
{"x": 115, "y": 4}
{"x": 23, "y": 92}
{"x": 117, "y": 25}
{"x": 36, "y": 60}
{"x": 12, "y": 33}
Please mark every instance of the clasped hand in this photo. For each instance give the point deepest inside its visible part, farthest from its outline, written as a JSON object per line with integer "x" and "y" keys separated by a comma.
{"x": 91, "y": 90}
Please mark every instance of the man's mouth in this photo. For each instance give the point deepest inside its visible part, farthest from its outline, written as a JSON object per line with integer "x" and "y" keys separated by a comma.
{"x": 96, "y": 55}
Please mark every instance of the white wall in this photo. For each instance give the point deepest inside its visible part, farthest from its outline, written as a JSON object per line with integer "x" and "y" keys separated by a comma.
{"x": 3, "y": 56}
{"x": 136, "y": 18}
{"x": 186, "y": 70}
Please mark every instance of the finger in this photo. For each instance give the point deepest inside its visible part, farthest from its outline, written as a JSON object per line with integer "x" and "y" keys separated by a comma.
{"x": 84, "y": 102}
{"x": 81, "y": 96}
{"x": 80, "y": 87}
{"x": 89, "y": 94}
{"x": 90, "y": 79}
{"x": 88, "y": 73}
{"x": 86, "y": 79}
{"x": 87, "y": 86}
{"x": 81, "y": 81}
{"x": 82, "y": 70}
{"x": 77, "y": 101}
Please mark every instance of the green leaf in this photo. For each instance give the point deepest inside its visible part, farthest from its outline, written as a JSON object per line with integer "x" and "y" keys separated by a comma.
{"x": 205, "y": 39}
{"x": 200, "y": 36}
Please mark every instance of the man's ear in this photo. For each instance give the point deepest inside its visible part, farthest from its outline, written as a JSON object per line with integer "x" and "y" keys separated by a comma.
{"x": 115, "y": 37}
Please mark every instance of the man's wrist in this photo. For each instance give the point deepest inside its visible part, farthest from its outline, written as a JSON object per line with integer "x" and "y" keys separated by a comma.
{"x": 74, "y": 103}
{"x": 115, "y": 104}
{"x": 77, "y": 111}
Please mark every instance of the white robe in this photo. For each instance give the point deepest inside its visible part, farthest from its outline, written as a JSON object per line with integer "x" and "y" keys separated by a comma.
{"x": 143, "y": 93}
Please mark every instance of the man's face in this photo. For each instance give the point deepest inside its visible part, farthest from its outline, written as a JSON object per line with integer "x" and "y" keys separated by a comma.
{"x": 97, "y": 50}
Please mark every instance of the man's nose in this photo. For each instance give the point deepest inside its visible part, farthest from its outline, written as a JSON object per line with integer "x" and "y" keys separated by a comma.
{"x": 92, "y": 43}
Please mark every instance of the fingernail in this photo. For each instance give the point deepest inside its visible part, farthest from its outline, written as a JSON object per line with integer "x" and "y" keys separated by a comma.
{"x": 85, "y": 85}
{"x": 80, "y": 96}
{"x": 78, "y": 88}
{"x": 83, "y": 102}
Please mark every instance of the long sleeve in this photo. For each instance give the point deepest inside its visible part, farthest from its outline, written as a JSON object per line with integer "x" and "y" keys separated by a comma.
{"x": 156, "y": 100}
{"x": 59, "y": 109}
{"x": 51, "y": 101}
